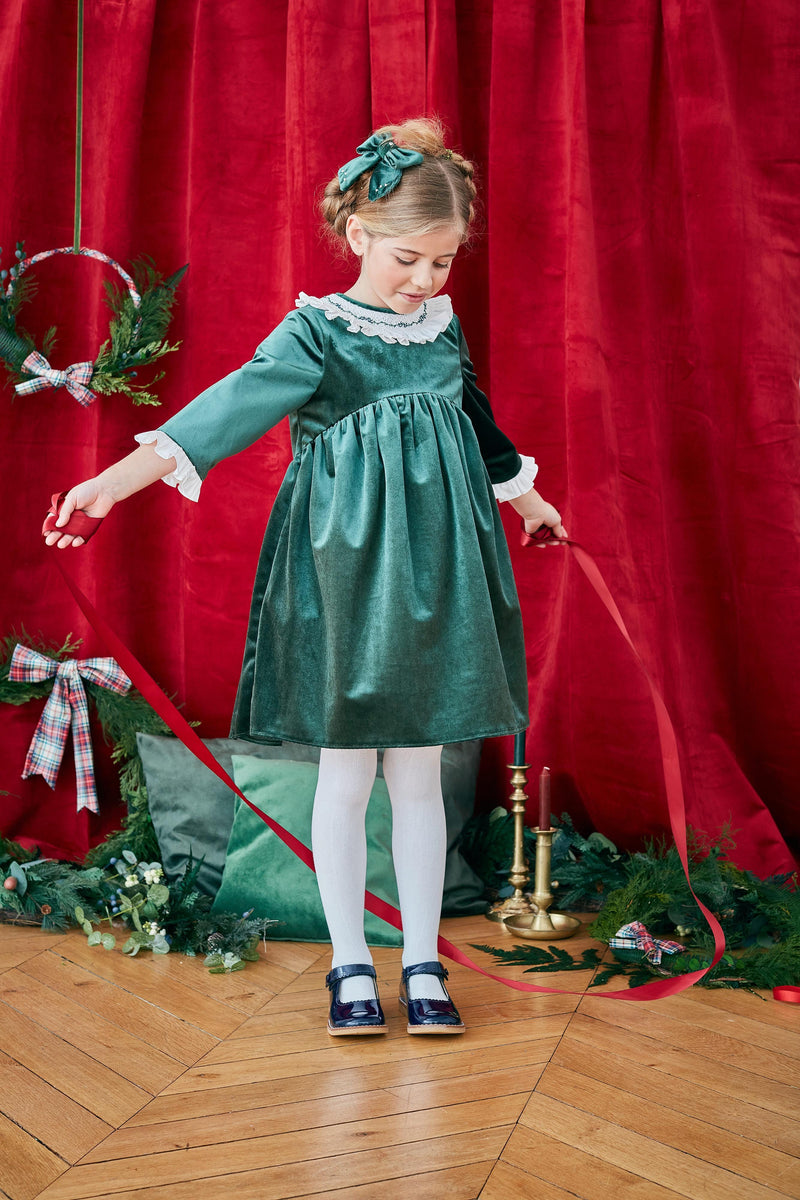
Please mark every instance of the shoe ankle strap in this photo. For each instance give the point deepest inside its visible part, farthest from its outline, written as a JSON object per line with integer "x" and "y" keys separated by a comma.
{"x": 425, "y": 968}
{"x": 338, "y": 973}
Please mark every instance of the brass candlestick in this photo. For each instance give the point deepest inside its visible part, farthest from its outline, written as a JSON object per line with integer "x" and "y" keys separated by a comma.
{"x": 520, "y": 904}
{"x": 542, "y": 925}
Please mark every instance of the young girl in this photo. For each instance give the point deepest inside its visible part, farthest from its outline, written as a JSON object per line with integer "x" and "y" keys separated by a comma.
{"x": 384, "y": 611}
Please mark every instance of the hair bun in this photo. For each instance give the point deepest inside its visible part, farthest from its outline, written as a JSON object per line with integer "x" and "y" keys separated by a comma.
{"x": 439, "y": 192}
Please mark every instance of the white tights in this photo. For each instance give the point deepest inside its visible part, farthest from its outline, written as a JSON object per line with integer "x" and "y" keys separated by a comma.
{"x": 419, "y": 846}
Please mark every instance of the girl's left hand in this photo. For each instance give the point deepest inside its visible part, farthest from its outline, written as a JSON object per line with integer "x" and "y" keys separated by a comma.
{"x": 536, "y": 511}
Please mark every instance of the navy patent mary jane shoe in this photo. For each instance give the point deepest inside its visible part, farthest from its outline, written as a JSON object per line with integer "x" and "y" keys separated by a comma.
{"x": 354, "y": 1016}
{"x": 428, "y": 1015}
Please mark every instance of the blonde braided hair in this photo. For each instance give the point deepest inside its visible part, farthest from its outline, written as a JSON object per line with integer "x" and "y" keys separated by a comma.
{"x": 439, "y": 192}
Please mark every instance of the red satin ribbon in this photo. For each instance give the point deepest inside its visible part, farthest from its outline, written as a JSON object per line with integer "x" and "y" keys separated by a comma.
{"x": 79, "y": 525}
{"x": 374, "y": 904}
{"x": 787, "y": 992}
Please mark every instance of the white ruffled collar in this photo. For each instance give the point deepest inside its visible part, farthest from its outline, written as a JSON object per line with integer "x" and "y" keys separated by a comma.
{"x": 424, "y": 325}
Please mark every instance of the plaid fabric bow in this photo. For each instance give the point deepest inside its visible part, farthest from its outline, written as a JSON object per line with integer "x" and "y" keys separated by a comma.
{"x": 74, "y": 379}
{"x": 66, "y": 706}
{"x": 636, "y": 937}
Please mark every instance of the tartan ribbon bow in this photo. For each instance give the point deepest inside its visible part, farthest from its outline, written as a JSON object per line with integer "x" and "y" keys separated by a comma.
{"x": 74, "y": 379}
{"x": 636, "y": 937}
{"x": 67, "y": 707}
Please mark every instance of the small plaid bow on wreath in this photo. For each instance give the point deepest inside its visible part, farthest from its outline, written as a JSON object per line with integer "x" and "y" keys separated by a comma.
{"x": 636, "y": 937}
{"x": 74, "y": 378}
{"x": 67, "y": 707}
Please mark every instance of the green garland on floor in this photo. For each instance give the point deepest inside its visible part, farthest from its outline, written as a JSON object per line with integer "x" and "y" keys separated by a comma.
{"x": 42, "y": 891}
{"x": 759, "y": 917}
{"x": 131, "y": 897}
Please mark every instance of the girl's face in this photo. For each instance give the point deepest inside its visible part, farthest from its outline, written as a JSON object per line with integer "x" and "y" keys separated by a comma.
{"x": 401, "y": 272}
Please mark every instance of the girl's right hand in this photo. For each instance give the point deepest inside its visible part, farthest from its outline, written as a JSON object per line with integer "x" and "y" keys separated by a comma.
{"x": 96, "y": 497}
{"x": 92, "y": 498}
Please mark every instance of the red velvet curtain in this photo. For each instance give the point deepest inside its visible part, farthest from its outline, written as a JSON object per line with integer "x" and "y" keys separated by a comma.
{"x": 632, "y": 307}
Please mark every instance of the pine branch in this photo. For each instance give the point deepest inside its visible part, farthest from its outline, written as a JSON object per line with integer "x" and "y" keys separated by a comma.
{"x": 537, "y": 958}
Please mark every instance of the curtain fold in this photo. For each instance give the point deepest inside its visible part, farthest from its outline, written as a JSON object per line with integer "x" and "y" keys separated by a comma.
{"x": 631, "y": 306}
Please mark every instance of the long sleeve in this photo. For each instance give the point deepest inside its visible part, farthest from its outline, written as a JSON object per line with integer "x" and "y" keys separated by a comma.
{"x": 510, "y": 473}
{"x": 233, "y": 413}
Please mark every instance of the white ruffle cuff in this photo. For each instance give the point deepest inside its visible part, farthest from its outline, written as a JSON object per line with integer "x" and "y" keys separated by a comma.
{"x": 521, "y": 483}
{"x": 184, "y": 477}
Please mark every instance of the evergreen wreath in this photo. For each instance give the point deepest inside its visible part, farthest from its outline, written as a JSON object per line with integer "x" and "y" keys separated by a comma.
{"x": 759, "y": 917}
{"x": 141, "y": 313}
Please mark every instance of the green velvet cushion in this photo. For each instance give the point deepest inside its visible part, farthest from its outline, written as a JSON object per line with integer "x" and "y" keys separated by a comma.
{"x": 193, "y": 811}
{"x": 262, "y": 873}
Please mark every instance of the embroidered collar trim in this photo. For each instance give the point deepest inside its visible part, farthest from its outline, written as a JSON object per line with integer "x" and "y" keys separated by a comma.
{"x": 424, "y": 325}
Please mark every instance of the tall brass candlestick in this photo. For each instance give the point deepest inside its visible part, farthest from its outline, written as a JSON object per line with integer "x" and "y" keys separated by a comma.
{"x": 520, "y": 903}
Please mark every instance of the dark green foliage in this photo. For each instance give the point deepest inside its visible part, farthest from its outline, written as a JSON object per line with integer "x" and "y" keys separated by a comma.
{"x": 752, "y": 911}
{"x": 635, "y": 973}
{"x": 120, "y": 726}
{"x": 584, "y": 868}
{"x": 24, "y": 289}
{"x": 759, "y": 917}
{"x": 770, "y": 968}
{"x": 155, "y": 916}
{"x": 15, "y": 342}
{"x": 136, "y": 832}
{"x": 12, "y": 851}
{"x": 188, "y": 911}
{"x": 153, "y": 316}
{"x": 137, "y": 335}
{"x": 748, "y": 969}
{"x": 21, "y": 693}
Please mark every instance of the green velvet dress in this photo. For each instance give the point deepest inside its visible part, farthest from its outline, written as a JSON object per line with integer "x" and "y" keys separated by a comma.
{"x": 384, "y": 608}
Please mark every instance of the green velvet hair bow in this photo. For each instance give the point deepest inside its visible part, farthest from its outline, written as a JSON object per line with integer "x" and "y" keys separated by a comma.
{"x": 388, "y": 160}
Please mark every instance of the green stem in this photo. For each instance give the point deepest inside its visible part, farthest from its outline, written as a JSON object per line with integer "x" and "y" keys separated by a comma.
{"x": 76, "y": 240}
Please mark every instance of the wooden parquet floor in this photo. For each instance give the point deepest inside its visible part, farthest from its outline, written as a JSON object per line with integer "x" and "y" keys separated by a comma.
{"x": 149, "y": 1079}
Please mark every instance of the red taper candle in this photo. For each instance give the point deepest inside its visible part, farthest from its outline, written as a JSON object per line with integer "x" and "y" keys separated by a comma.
{"x": 544, "y": 798}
